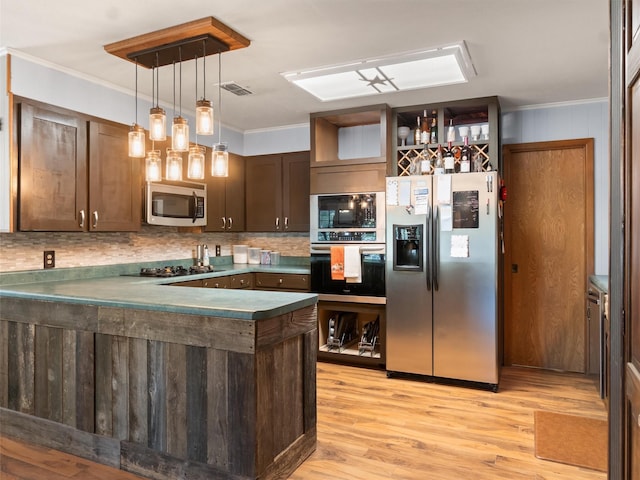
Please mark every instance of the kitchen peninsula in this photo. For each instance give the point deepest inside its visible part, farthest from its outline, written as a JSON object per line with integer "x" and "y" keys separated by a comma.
{"x": 163, "y": 381}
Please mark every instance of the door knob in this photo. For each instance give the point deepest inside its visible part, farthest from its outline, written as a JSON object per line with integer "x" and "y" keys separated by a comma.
{"x": 514, "y": 268}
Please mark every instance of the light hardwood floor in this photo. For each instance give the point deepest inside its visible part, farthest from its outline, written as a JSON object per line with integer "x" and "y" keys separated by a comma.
{"x": 374, "y": 428}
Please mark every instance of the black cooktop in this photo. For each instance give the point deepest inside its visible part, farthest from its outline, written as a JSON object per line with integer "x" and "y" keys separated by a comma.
{"x": 175, "y": 271}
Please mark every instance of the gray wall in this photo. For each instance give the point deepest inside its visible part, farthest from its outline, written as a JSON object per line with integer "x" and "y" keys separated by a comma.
{"x": 571, "y": 121}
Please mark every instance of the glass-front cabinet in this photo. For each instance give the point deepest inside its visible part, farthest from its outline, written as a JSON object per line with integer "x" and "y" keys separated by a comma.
{"x": 464, "y": 130}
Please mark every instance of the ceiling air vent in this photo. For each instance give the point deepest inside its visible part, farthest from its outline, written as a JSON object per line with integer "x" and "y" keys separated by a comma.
{"x": 236, "y": 89}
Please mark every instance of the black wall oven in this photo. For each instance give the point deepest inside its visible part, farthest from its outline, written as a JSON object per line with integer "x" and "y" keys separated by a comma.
{"x": 371, "y": 288}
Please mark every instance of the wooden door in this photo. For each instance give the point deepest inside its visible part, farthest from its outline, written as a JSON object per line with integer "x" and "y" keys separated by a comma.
{"x": 296, "y": 188}
{"x": 263, "y": 183}
{"x": 115, "y": 185}
{"x": 632, "y": 260}
{"x": 53, "y": 170}
{"x": 548, "y": 252}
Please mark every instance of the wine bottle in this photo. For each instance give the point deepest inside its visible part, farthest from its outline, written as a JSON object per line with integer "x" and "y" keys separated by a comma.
{"x": 417, "y": 133}
{"x": 425, "y": 162}
{"x": 424, "y": 129}
{"x": 465, "y": 158}
{"x": 439, "y": 168}
{"x": 434, "y": 127}
{"x": 451, "y": 132}
{"x": 449, "y": 160}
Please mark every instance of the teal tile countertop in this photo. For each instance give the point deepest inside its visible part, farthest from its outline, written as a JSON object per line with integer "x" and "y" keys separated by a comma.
{"x": 120, "y": 287}
{"x": 600, "y": 281}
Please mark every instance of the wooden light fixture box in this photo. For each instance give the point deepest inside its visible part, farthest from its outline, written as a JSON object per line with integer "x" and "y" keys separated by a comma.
{"x": 197, "y": 38}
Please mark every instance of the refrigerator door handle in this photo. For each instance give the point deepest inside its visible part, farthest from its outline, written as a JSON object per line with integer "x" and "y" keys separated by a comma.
{"x": 436, "y": 248}
{"x": 428, "y": 249}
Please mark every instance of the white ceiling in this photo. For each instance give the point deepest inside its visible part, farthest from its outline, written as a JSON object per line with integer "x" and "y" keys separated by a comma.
{"x": 526, "y": 52}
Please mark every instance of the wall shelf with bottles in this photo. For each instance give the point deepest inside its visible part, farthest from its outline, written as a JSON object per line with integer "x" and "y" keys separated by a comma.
{"x": 477, "y": 119}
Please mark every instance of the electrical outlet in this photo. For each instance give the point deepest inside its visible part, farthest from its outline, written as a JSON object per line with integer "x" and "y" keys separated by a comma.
{"x": 49, "y": 258}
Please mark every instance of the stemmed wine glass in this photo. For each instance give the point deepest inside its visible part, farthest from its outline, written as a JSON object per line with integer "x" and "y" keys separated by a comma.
{"x": 403, "y": 133}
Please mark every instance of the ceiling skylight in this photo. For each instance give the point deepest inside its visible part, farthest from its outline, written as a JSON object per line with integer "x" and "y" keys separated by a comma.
{"x": 406, "y": 71}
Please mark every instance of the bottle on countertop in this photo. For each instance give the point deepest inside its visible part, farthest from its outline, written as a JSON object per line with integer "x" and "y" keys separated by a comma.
{"x": 417, "y": 136}
{"x": 205, "y": 256}
{"x": 424, "y": 129}
{"x": 434, "y": 127}
{"x": 439, "y": 166}
{"x": 449, "y": 160}
{"x": 465, "y": 157}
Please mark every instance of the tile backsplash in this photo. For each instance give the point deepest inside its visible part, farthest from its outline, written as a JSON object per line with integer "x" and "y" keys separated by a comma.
{"x": 24, "y": 250}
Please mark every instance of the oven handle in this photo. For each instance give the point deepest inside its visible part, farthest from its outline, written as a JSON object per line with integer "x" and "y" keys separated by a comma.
{"x": 195, "y": 208}
{"x": 363, "y": 249}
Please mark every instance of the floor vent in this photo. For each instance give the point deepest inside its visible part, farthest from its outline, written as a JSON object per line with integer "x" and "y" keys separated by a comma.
{"x": 236, "y": 89}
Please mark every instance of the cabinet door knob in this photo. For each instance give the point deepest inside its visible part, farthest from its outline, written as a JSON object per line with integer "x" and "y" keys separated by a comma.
{"x": 286, "y": 223}
{"x": 81, "y": 218}
{"x": 280, "y": 281}
{"x": 230, "y": 223}
{"x": 95, "y": 219}
{"x": 224, "y": 223}
{"x": 277, "y": 223}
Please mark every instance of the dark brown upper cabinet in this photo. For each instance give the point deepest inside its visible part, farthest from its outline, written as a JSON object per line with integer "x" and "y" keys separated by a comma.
{"x": 226, "y": 198}
{"x": 277, "y": 192}
{"x": 75, "y": 174}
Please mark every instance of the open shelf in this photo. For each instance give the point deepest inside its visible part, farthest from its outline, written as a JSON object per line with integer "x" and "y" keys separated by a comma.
{"x": 350, "y": 352}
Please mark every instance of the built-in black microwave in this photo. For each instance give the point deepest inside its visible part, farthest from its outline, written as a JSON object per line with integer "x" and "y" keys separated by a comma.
{"x": 176, "y": 204}
{"x": 348, "y": 217}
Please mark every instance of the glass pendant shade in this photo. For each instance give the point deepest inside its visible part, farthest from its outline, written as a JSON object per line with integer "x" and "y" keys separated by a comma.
{"x": 174, "y": 165}
{"x": 195, "y": 165}
{"x": 220, "y": 160}
{"x": 204, "y": 117}
{"x": 153, "y": 166}
{"x": 157, "y": 124}
{"x": 180, "y": 135}
{"x": 136, "y": 141}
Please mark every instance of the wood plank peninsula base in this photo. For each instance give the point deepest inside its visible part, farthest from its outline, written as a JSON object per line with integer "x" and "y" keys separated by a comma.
{"x": 162, "y": 394}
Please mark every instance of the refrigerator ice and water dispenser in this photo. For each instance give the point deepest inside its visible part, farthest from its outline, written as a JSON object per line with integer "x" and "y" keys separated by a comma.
{"x": 408, "y": 245}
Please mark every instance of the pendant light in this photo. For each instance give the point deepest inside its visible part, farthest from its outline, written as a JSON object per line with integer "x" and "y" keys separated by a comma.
{"x": 157, "y": 115}
{"x": 195, "y": 164}
{"x": 220, "y": 153}
{"x": 153, "y": 166}
{"x": 136, "y": 134}
{"x": 180, "y": 127}
{"x": 174, "y": 165}
{"x": 204, "y": 108}
{"x": 195, "y": 160}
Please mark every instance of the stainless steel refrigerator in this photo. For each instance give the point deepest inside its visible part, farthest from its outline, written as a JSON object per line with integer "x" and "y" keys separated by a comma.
{"x": 442, "y": 277}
